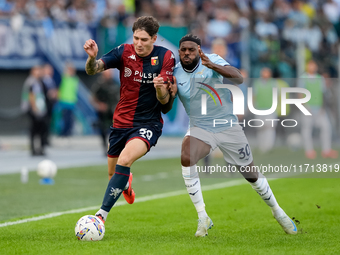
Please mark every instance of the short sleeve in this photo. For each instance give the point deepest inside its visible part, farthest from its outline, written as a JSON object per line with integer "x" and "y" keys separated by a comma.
{"x": 168, "y": 66}
{"x": 112, "y": 59}
{"x": 216, "y": 59}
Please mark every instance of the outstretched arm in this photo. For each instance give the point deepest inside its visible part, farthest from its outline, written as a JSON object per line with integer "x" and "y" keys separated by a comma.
{"x": 226, "y": 71}
{"x": 92, "y": 66}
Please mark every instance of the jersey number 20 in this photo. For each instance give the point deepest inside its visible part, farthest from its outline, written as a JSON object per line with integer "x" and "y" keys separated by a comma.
{"x": 145, "y": 133}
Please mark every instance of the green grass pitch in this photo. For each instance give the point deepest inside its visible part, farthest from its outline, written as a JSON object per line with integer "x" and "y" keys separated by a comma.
{"x": 243, "y": 223}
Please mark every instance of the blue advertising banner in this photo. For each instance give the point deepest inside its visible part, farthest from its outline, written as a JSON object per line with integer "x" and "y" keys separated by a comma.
{"x": 35, "y": 42}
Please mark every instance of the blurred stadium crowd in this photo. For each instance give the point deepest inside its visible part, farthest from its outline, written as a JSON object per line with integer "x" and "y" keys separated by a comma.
{"x": 282, "y": 35}
{"x": 275, "y": 26}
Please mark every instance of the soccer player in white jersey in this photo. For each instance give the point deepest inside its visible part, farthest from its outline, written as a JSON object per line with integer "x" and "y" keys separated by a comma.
{"x": 196, "y": 74}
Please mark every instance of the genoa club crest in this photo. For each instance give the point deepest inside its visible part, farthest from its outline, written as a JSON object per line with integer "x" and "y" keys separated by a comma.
{"x": 154, "y": 61}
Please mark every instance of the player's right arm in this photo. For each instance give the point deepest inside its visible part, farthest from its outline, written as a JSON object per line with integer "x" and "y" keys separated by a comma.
{"x": 92, "y": 66}
{"x": 226, "y": 71}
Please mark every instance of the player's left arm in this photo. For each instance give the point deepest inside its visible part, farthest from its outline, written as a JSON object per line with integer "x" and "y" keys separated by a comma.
{"x": 172, "y": 87}
{"x": 162, "y": 92}
{"x": 226, "y": 71}
{"x": 161, "y": 81}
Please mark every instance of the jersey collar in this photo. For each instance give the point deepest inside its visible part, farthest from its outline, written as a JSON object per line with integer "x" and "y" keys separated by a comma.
{"x": 194, "y": 69}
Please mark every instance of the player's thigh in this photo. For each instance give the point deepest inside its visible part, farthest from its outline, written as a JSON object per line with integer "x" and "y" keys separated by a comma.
{"x": 193, "y": 149}
{"x": 117, "y": 140}
{"x": 240, "y": 155}
{"x": 134, "y": 149}
{"x": 139, "y": 141}
{"x": 111, "y": 162}
{"x": 234, "y": 145}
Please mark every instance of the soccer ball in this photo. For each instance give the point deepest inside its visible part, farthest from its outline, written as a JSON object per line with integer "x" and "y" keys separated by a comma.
{"x": 89, "y": 228}
{"x": 47, "y": 169}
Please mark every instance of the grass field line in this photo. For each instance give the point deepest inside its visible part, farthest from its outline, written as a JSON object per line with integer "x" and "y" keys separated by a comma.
{"x": 138, "y": 200}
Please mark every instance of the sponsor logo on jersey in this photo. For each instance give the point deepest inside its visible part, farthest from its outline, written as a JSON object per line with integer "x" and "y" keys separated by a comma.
{"x": 127, "y": 72}
{"x": 145, "y": 75}
{"x": 154, "y": 61}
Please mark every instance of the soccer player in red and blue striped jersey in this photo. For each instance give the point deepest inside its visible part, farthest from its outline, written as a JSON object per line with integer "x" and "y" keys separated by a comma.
{"x": 145, "y": 70}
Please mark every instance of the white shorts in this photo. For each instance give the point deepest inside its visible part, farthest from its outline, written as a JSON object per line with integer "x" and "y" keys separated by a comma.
{"x": 232, "y": 142}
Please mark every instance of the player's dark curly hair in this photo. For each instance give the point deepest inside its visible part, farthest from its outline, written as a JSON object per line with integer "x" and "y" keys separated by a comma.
{"x": 147, "y": 23}
{"x": 192, "y": 38}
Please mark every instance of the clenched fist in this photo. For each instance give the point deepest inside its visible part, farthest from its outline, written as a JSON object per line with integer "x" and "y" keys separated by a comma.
{"x": 91, "y": 48}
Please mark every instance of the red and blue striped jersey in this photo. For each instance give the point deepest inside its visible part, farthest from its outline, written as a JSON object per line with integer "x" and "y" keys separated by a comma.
{"x": 138, "y": 104}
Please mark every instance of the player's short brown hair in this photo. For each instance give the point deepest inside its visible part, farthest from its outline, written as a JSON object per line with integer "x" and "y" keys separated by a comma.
{"x": 147, "y": 23}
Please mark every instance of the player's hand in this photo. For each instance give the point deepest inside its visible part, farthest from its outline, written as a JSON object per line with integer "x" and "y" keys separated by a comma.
{"x": 162, "y": 92}
{"x": 205, "y": 60}
{"x": 172, "y": 87}
{"x": 159, "y": 82}
{"x": 91, "y": 48}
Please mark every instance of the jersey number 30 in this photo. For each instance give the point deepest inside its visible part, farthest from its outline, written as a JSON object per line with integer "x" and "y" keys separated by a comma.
{"x": 244, "y": 151}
